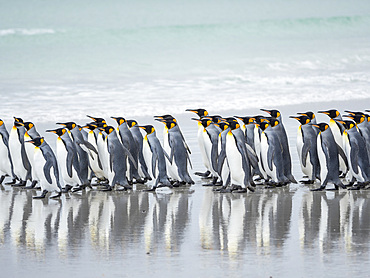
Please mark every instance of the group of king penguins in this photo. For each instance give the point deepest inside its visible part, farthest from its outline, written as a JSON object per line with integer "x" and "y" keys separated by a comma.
{"x": 116, "y": 157}
{"x": 238, "y": 153}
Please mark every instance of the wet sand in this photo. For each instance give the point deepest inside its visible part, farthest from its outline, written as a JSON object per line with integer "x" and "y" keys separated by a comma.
{"x": 281, "y": 232}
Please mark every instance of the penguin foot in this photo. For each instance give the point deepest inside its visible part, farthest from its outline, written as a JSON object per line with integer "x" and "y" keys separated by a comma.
{"x": 11, "y": 182}
{"x": 307, "y": 182}
{"x": 318, "y": 189}
{"x": 67, "y": 188}
{"x": 79, "y": 188}
{"x": 21, "y": 184}
{"x": 354, "y": 188}
{"x": 42, "y": 196}
{"x": 151, "y": 190}
{"x": 56, "y": 195}
{"x": 108, "y": 188}
{"x": 204, "y": 175}
{"x": 2, "y": 178}
{"x": 32, "y": 186}
{"x": 243, "y": 190}
{"x": 142, "y": 181}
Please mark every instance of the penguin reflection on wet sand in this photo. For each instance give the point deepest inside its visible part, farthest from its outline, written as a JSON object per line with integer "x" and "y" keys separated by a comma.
{"x": 327, "y": 151}
{"x": 46, "y": 168}
{"x": 355, "y": 149}
{"x": 155, "y": 156}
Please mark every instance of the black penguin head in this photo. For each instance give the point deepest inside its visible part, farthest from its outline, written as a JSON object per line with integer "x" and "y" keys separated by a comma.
{"x": 263, "y": 125}
{"x": 224, "y": 125}
{"x": 119, "y": 120}
{"x": 200, "y": 112}
{"x": 58, "y": 131}
{"x": 302, "y": 119}
{"x": 165, "y": 117}
{"x": 204, "y": 121}
{"x": 37, "y": 141}
{"x": 90, "y": 126}
{"x": 332, "y": 113}
{"x": 131, "y": 123}
{"x": 169, "y": 123}
{"x": 108, "y": 129}
{"x": 274, "y": 122}
{"x": 96, "y": 119}
{"x": 274, "y": 113}
{"x": 69, "y": 125}
{"x": 233, "y": 125}
{"x": 18, "y": 121}
{"x": 358, "y": 118}
{"x": 260, "y": 119}
{"x": 321, "y": 126}
{"x": 28, "y": 125}
{"x": 230, "y": 120}
{"x": 149, "y": 129}
{"x": 215, "y": 118}
{"x": 347, "y": 124}
{"x": 246, "y": 120}
{"x": 309, "y": 114}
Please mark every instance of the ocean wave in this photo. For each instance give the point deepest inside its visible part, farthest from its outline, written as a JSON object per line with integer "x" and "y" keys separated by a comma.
{"x": 26, "y": 32}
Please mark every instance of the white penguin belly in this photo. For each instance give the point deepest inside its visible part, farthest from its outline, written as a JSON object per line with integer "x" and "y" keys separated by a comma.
{"x": 234, "y": 159}
{"x": 5, "y": 166}
{"x": 322, "y": 160}
{"x": 201, "y": 146}
{"x": 147, "y": 153}
{"x": 15, "y": 152}
{"x": 93, "y": 157}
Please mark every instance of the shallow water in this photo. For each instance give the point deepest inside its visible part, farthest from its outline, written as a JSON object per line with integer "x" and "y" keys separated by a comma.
{"x": 282, "y": 232}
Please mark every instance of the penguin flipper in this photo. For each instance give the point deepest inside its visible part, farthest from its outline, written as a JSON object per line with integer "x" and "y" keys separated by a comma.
{"x": 70, "y": 156}
{"x": 354, "y": 156}
{"x": 252, "y": 156}
{"x": 169, "y": 158}
{"x": 221, "y": 160}
{"x": 129, "y": 155}
{"x": 90, "y": 147}
{"x": 305, "y": 149}
{"x": 154, "y": 163}
{"x": 46, "y": 169}
{"x": 342, "y": 154}
{"x": 270, "y": 156}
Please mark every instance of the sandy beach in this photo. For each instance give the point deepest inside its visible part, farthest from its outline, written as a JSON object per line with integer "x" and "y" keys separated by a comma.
{"x": 193, "y": 231}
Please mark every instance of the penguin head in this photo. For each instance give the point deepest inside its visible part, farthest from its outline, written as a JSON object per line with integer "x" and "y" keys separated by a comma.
{"x": 131, "y": 123}
{"x": 18, "y": 121}
{"x": 274, "y": 113}
{"x": 108, "y": 129}
{"x": 245, "y": 120}
{"x": 166, "y": 117}
{"x": 309, "y": 114}
{"x": 119, "y": 120}
{"x": 321, "y": 126}
{"x": 169, "y": 123}
{"x": 358, "y": 118}
{"x": 37, "y": 141}
{"x": 302, "y": 119}
{"x": 233, "y": 125}
{"x": 205, "y": 121}
{"x": 149, "y": 129}
{"x": 348, "y": 124}
{"x": 58, "y": 131}
{"x": 69, "y": 125}
{"x": 215, "y": 118}
{"x": 332, "y": 113}
{"x": 200, "y": 112}
{"x": 96, "y": 119}
{"x": 263, "y": 125}
{"x": 230, "y": 120}
{"x": 223, "y": 125}
{"x": 90, "y": 126}
{"x": 274, "y": 122}
{"x": 260, "y": 119}
{"x": 28, "y": 125}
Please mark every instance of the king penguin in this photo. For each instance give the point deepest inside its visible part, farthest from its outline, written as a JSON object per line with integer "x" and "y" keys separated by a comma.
{"x": 237, "y": 158}
{"x": 223, "y": 168}
{"x": 327, "y": 152}
{"x": 117, "y": 161}
{"x": 67, "y": 159}
{"x": 154, "y": 156}
{"x": 307, "y": 149}
{"x": 21, "y": 164}
{"x": 284, "y": 142}
{"x": 46, "y": 168}
{"x": 201, "y": 113}
{"x": 178, "y": 153}
{"x": 355, "y": 149}
{"x": 337, "y": 129}
{"x": 6, "y": 165}
{"x": 138, "y": 137}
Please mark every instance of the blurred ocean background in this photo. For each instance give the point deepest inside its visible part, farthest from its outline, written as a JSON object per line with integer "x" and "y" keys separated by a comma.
{"x": 65, "y": 59}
